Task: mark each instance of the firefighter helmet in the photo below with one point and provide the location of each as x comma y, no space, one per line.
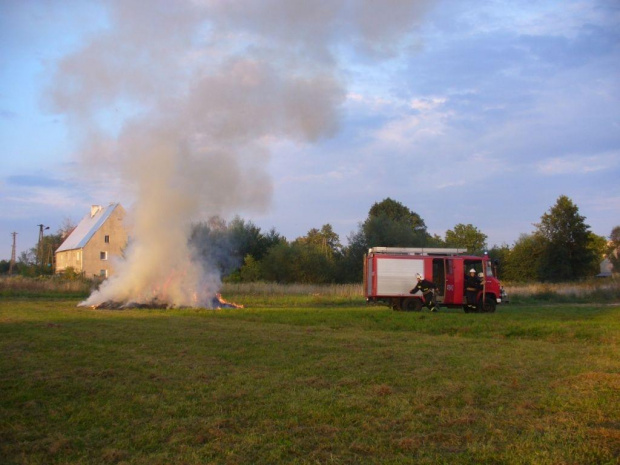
419,276
472,271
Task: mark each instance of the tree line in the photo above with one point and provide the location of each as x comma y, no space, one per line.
562,247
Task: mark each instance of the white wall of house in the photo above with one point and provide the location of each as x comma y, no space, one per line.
98,255
105,246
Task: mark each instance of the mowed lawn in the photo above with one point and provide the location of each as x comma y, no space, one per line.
280,382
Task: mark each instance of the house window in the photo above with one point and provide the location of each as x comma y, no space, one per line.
103,255
103,273
106,239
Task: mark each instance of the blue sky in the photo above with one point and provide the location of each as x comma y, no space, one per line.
480,112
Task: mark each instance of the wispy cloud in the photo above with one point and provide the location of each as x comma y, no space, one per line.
606,203
578,164
427,104
335,175
30,180
23,194
542,18
451,184
428,119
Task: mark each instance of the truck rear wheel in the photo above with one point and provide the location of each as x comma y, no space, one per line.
411,304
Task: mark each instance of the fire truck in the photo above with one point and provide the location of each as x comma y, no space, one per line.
390,275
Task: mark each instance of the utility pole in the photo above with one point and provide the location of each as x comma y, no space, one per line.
12,265
40,257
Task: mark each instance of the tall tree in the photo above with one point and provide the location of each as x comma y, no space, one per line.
500,256
278,264
297,262
351,264
391,224
66,228
212,246
523,262
598,245
226,247
247,238
568,255
250,271
398,213
325,239
467,236
613,249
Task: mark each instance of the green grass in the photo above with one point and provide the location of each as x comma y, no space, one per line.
49,287
306,381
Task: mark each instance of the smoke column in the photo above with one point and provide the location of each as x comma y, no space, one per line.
180,101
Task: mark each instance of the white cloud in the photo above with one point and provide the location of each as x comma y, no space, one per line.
428,121
578,164
427,103
335,175
606,203
451,184
557,18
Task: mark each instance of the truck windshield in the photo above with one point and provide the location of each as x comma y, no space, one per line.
489,269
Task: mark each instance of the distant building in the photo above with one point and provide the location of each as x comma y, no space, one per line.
98,238
606,269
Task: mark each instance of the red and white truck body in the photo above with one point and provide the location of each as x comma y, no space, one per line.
390,273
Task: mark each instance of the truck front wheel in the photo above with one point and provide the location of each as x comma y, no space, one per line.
489,305
412,304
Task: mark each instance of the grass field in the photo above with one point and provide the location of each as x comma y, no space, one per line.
308,381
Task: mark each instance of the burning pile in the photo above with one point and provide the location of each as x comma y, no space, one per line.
138,285
217,302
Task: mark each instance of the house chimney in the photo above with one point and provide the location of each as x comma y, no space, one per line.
94,209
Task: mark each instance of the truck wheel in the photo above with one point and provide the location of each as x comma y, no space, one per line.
396,305
412,304
489,305
466,308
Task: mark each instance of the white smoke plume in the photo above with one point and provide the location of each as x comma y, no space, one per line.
181,100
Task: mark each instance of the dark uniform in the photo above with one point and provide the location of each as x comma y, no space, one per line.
427,288
472,286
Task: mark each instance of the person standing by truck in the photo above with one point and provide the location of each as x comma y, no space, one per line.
427,288
472,286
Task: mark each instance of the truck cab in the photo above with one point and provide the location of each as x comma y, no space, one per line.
449,273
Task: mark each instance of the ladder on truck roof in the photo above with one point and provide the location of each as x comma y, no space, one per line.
416,250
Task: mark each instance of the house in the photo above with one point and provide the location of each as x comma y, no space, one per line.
606,269
98,238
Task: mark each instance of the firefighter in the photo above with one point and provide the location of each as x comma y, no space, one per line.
472,286
427,288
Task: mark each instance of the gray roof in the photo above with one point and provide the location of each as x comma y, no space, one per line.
89,225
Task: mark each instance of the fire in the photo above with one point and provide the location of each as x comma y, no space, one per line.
218,302
226,303
174,287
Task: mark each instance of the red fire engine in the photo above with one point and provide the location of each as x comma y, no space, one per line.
390,273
